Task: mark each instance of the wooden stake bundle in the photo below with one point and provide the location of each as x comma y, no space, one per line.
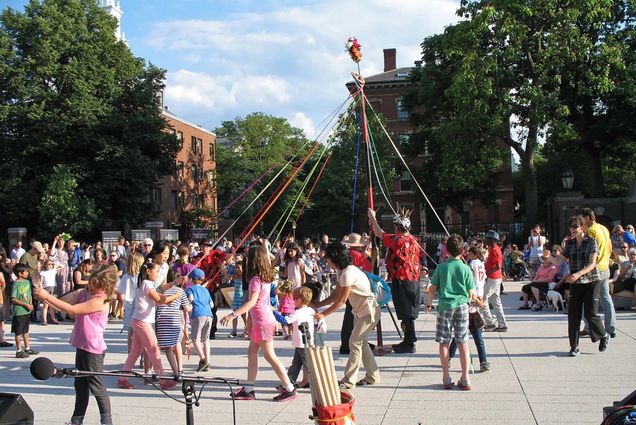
324,376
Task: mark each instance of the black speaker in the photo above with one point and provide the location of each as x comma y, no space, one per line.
630,400
14,410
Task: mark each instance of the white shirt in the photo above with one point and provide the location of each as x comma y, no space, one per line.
127,286
479,278
17,253
144,305
300,316
48,278
361,298
536,242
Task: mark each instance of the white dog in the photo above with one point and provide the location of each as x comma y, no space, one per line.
556,299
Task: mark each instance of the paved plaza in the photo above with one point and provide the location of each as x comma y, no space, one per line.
532,380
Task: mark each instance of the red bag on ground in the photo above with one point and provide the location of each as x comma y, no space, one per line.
342,414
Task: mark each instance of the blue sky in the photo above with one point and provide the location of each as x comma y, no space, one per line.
285,58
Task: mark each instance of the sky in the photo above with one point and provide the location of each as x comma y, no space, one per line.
229,58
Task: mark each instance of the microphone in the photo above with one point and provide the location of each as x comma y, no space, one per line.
43,369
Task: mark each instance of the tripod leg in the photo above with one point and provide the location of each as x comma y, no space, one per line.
188,393
397,328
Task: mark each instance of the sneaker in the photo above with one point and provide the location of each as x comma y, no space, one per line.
232,335
489,328
484,367
448,385
602,346
501,329
574,352
202,365
167,384
123,383
243,395
32,352
5,344
612,335
21,354
206,367
464,385
584,332
286,396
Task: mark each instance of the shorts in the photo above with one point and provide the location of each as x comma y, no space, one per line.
201,328
454,319
20,324
262,332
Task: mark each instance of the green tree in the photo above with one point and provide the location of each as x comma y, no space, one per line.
70,93
62,206
518,72
249,147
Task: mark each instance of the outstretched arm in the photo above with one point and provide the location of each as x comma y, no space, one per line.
374,223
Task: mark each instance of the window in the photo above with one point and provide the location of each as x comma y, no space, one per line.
193,145
403,138
156,196
195,173
199,147
201,201
406,184
180,136
180,201
180,167
213,151
174,200
402,114
212,177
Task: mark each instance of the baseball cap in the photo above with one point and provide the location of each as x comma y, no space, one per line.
197,274
492,235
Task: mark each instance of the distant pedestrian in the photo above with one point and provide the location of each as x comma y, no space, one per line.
22,300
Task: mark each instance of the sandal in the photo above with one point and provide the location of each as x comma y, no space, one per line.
465,386
363,382
536,307
345,385
448,385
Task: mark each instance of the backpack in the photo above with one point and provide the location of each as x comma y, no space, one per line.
380,288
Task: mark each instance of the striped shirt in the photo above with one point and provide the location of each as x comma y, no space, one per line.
169,317
579,258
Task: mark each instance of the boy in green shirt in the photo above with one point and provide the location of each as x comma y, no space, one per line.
454,280
21,300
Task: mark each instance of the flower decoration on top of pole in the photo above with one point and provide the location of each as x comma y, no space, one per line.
353,47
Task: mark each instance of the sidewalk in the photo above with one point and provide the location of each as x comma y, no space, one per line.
532,381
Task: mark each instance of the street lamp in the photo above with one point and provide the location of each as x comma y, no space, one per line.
567,178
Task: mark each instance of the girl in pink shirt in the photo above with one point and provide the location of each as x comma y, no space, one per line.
260,273
90,307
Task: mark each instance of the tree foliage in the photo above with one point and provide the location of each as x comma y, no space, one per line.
247,148
516,72
71,94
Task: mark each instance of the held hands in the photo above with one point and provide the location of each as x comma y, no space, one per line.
572,278
318,317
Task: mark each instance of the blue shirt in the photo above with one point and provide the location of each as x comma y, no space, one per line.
629,239
201,301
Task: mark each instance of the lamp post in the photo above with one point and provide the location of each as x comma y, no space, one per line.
567,179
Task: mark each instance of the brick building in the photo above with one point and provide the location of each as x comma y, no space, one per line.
385,91
194,183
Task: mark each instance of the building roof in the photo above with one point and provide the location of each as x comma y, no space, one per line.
169,114
399,76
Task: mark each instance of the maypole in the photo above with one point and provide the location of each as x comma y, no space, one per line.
353,47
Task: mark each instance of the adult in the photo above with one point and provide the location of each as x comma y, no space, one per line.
122,251
59,256
74,254
117,306
353,286
147,246
628,237
403,267
81,274
604,243
535,243
17,252
357,246
541,283
585,286
31,259
492,287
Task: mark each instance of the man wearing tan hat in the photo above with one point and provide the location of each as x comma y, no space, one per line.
357,245
31,259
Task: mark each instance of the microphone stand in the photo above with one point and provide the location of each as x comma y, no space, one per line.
187,386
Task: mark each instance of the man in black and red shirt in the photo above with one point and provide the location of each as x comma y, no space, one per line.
403,266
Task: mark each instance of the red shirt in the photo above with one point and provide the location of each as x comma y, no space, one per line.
494,261
402,257
360,260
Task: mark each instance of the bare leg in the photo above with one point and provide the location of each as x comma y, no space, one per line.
274,361
443,358
252,361
537,295
464,359
172,360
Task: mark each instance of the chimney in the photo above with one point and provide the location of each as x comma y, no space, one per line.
390,59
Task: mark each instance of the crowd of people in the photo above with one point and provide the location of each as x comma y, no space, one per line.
167,295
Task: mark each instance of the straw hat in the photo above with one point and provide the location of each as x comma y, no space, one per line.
355,240
555,260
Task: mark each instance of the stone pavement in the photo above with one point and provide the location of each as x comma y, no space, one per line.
532,380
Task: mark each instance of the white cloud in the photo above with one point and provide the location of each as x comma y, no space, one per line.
287,61
302,121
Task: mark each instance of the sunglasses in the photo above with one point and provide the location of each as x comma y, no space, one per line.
624,247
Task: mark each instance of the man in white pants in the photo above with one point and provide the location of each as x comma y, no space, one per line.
494,265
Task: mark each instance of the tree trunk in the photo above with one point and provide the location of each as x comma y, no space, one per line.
596,182
530,174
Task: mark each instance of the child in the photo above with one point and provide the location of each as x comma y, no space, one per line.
202,304
22,301
144,338
260,274
3,285
234,274
475,321
286,305
169,326
303,314
294,265
425,282
455,282
91,306
48,277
